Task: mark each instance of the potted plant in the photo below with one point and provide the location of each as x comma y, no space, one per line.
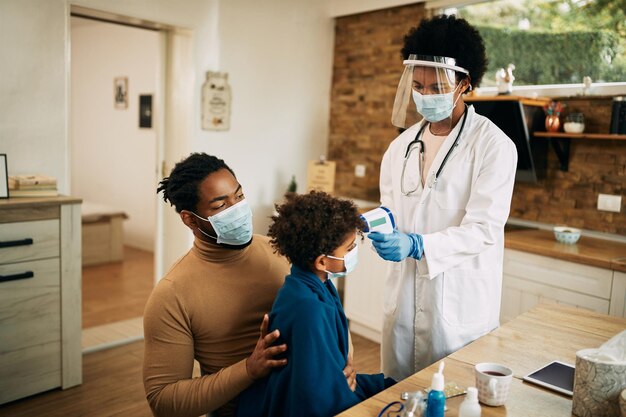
292,188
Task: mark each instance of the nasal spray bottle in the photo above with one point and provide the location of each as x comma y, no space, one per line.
379,219
436,402
469,406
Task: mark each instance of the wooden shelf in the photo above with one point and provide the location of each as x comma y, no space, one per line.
561,142
528,101
592,136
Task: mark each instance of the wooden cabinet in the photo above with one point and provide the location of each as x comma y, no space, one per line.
618,295
528,280
531,279
40,298
363,293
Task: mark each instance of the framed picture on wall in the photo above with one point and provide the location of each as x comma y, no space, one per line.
120,92
4,176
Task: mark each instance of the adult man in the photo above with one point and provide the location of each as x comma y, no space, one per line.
209,305
448,179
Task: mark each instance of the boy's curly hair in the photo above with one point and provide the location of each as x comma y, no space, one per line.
313,224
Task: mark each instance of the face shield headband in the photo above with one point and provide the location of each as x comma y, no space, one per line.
425,75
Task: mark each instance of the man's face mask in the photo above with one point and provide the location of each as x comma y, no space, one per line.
350,260
233,226
434,107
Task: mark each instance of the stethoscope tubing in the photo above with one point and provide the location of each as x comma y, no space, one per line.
417,140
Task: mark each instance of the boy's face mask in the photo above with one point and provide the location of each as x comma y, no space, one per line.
232,226
350,260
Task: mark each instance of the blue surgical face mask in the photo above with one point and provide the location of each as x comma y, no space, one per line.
350,260
434,107
232,226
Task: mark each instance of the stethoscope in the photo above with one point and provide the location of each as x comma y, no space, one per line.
414,144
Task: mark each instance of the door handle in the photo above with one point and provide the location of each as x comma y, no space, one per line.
15,277
19,242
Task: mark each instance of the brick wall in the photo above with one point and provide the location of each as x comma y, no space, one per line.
595,166
366,70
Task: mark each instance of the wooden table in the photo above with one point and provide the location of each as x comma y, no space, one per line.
547,332
102,234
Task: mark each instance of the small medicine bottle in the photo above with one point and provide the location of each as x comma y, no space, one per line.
436,401
470,407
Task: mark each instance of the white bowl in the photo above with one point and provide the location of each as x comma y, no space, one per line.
567,235
573,127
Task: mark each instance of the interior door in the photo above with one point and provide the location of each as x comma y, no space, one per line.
173,238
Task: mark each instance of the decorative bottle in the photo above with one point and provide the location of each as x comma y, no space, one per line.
216,102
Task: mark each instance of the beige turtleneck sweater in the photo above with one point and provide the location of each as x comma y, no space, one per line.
208,307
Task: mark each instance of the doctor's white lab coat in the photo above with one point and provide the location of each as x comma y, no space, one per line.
452,295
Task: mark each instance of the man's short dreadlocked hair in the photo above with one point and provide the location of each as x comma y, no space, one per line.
309,225
180,189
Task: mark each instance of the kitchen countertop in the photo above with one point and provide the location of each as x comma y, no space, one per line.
592,251
588,250
545,333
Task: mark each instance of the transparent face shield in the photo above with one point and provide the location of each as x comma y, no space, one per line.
428,89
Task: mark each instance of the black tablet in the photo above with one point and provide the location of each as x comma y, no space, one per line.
557,376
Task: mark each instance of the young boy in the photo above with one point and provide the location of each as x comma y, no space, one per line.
317,233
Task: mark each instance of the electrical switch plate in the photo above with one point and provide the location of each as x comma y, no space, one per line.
359,170
145,110
608,202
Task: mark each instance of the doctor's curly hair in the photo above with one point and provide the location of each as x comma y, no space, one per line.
451,37
313,224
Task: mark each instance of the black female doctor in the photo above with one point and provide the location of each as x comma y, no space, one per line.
448,179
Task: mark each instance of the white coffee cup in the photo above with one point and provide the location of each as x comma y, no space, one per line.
493,381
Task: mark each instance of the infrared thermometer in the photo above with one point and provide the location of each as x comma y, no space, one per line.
379,220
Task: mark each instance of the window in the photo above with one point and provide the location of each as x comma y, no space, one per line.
552,42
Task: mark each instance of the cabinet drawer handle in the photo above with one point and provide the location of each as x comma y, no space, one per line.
21,242
15,277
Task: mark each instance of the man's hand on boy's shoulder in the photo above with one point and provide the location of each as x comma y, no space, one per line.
261,361
350,374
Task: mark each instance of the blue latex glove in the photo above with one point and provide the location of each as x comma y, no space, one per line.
397,246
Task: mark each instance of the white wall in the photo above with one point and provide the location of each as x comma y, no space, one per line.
34,72
113,161
338,8
278,54
33,87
